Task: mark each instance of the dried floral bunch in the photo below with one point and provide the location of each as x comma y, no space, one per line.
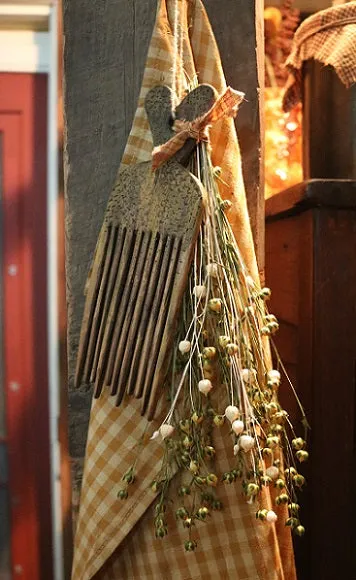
220,375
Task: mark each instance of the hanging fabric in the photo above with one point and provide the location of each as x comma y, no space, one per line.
115,539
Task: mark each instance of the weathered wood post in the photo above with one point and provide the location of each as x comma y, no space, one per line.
105,45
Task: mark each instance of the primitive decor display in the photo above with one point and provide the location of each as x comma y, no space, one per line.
187,440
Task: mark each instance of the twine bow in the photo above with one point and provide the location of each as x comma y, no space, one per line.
225,106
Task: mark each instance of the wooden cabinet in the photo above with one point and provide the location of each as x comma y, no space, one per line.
311,268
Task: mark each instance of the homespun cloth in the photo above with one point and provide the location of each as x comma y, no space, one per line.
328,36
115,539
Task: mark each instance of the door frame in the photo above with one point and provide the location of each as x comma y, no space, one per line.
34,31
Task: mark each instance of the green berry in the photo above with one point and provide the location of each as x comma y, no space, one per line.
219,420
298,443
212,479
190,546
209,352
161,532
129,477
265,293
252,489
298,480
299,530
262,515
293,508
188,522
290,471
224,341
181,513
122,494
203,512
197,418
282,499
209,451
272,442
154,486
302,456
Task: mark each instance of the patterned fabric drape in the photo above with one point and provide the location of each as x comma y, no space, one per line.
115,539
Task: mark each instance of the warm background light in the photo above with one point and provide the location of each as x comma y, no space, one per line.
283,142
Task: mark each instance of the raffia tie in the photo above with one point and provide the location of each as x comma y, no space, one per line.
225,106
191,127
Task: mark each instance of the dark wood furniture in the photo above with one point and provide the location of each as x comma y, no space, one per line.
329,124
311,268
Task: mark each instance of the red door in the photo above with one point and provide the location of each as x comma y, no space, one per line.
25,541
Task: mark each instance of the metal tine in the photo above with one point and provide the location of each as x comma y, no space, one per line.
88,370
130,324
153,376
115,301
119,243
148,346
96,274
122,313
146,312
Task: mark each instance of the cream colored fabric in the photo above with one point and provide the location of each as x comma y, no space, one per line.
115,539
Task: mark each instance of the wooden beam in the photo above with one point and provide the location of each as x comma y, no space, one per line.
238,27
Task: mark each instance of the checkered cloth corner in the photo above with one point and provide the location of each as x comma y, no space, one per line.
115,539
328,36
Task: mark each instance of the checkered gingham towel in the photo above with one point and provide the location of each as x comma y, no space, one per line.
115,539
328,36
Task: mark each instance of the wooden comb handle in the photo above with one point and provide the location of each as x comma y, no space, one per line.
159,109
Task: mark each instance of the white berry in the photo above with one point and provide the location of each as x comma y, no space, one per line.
205,386
232,413
184,346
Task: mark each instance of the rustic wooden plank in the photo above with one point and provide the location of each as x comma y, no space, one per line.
238,27
336,193
318,296
334,395
66,483
329,138
103,60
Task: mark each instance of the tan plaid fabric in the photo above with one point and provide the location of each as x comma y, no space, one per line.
328,36
115,539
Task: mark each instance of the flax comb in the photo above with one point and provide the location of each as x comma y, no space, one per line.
141,265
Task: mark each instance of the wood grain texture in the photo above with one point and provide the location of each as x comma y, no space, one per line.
310,265
66,482
306,5
329,124
144,205
104,54
334,395
332,193
239,29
